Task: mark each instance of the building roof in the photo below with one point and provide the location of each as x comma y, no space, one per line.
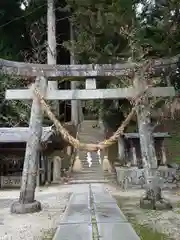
155,135
21,134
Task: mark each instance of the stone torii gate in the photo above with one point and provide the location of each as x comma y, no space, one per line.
89,72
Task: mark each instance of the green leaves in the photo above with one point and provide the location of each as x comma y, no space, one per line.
109,31
12,112
105,32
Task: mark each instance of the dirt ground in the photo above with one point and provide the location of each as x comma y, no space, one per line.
40,225
160,225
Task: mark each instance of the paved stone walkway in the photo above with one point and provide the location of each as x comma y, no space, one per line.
92,213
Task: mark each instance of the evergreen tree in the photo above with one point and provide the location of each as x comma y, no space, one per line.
110,31
104,33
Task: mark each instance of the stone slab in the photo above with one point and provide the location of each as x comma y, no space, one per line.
117,231
108,213
74,232
77,213
97,187
80,198
103,197
78,210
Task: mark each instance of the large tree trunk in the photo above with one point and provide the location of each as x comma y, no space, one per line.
26,201
146,137
145,131
75,104
153,196
51,48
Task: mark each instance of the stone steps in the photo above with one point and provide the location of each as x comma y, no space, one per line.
95,165
89,174
94,176
90,170
86,181
88,178
88,134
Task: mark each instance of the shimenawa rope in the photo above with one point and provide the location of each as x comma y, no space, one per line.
84,146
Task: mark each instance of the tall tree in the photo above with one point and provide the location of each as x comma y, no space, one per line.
98,39
51,45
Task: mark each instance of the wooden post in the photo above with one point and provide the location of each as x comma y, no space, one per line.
145,131
51,48
26,203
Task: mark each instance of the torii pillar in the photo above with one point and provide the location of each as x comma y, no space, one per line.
26,202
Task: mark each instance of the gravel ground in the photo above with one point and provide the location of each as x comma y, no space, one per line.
167,222
34,226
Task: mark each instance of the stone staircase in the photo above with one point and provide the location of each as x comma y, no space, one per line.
90,134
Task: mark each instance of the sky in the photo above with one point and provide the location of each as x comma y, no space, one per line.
23,6
139,8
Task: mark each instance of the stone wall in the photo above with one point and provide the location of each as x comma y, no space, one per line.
10,181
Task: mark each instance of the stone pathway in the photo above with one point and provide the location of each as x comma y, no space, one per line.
92,213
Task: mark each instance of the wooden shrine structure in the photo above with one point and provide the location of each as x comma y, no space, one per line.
12,150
